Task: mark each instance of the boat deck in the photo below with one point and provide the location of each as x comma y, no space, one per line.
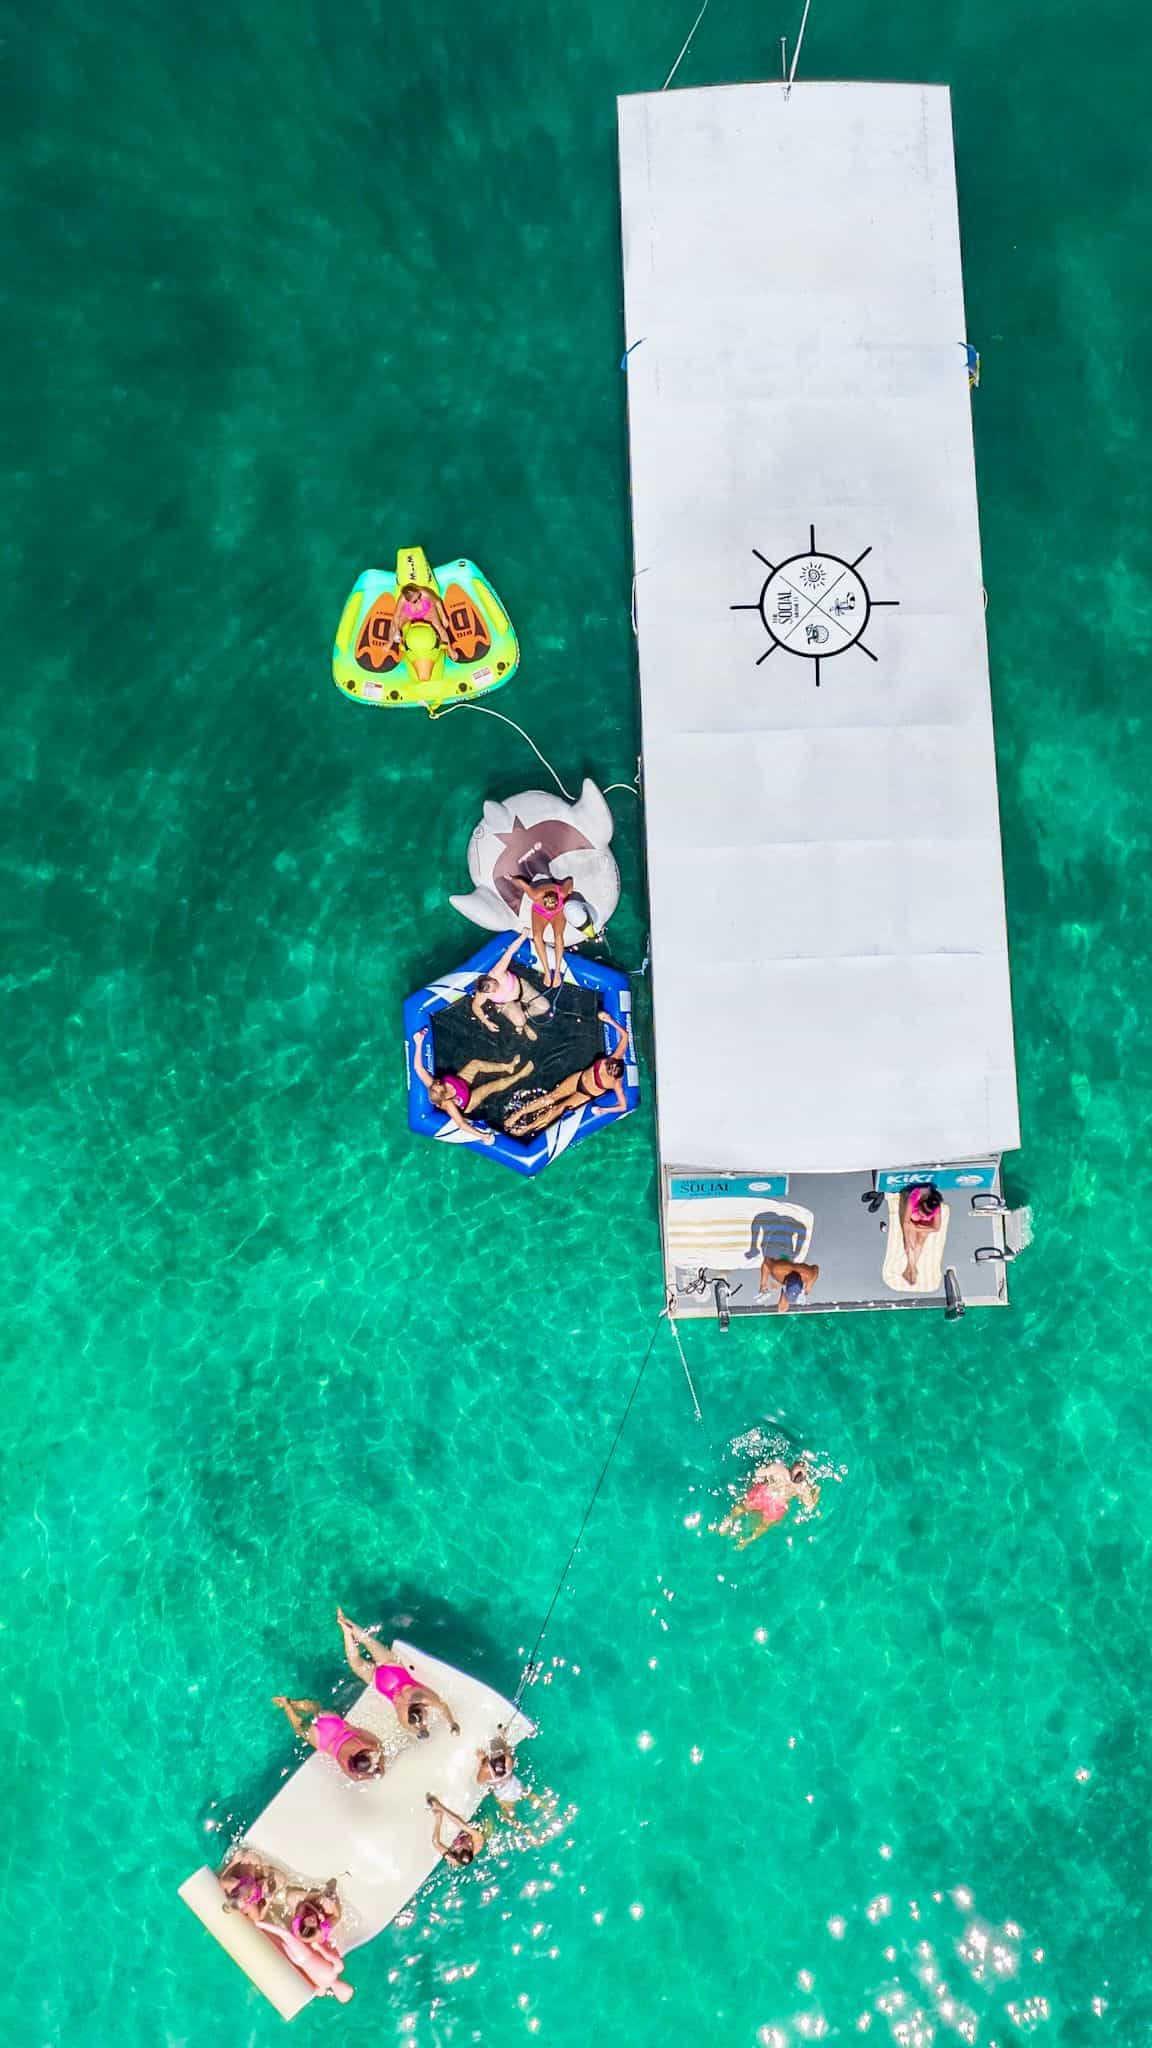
719,1228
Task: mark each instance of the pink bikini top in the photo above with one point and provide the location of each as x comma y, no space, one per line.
460,1089
418,607
506,990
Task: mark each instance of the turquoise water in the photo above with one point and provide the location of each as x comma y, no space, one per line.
274,311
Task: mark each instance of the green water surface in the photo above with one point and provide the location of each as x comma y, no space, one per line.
285,288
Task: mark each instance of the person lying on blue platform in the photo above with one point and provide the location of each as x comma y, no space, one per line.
455,1093
604,1077
515,998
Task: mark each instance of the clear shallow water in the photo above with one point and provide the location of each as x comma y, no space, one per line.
231,1396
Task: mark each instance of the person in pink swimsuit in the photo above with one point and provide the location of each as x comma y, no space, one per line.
769,1495
416,606
921,1216
373,1664
547,898
507,992
358,1753
302,1923
457,1093
249,1884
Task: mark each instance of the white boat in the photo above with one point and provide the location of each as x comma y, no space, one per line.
829,954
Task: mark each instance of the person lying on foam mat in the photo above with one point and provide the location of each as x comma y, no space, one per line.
359,1754
300,1920
372,1664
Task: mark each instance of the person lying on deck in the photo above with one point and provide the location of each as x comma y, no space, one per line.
547,899
373,1664
359,1754
921,1216
455,1093
465,1842
794,1281
515,998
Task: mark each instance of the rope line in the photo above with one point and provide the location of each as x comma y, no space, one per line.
683,1361
684,51
461,705
531,1667
796,51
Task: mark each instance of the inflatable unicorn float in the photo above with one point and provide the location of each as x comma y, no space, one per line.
533,835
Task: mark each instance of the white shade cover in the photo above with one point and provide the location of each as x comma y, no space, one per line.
829,954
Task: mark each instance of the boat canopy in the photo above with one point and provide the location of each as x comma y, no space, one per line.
829,954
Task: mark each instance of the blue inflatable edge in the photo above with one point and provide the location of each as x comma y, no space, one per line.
615,999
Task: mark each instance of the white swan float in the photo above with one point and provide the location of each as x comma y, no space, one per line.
536,834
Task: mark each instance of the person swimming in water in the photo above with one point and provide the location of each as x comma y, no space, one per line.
795,1282
358,1753
547,898
371,1662
453,1094
508,992
464,1845
770,1494
496,1771
604,1077
922,1214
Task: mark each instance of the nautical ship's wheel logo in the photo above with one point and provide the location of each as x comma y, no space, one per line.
815,605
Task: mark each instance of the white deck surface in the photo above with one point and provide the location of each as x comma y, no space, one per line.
829,957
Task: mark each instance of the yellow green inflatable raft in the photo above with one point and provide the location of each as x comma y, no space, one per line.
423,636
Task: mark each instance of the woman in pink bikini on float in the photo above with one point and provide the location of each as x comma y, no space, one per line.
418,607
457,1094
372,1663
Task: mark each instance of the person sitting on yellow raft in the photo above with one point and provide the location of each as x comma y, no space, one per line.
422,636
418,627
